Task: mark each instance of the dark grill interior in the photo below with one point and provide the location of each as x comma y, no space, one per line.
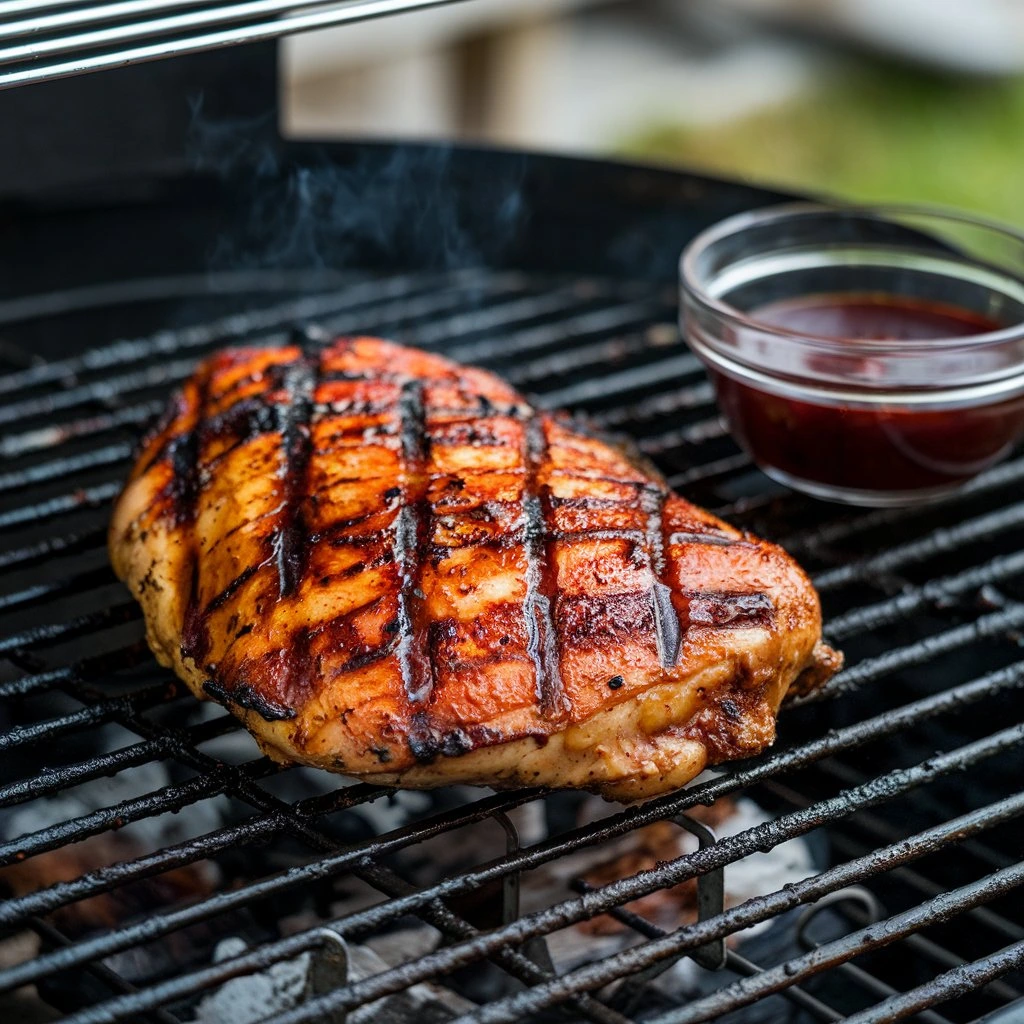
902,777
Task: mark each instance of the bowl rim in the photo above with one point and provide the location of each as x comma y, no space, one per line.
694,288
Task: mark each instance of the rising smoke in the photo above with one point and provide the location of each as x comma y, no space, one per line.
303,205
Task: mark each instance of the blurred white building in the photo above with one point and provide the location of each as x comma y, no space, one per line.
577,74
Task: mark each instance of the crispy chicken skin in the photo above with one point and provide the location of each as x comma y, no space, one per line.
390,566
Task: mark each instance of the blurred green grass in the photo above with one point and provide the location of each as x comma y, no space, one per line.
872,134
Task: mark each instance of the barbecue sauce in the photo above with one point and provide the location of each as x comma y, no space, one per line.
877,448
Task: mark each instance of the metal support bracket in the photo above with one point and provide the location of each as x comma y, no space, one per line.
328,970
537,947
710,896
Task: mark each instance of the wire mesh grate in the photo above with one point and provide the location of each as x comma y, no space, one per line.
153,859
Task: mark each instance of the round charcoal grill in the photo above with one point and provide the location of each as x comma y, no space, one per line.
154,859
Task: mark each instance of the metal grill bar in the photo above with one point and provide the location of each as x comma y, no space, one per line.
68,544
19,736
508,304
255,326
521,966
944,958
850,776
844,528
987,627
885,613
111,455
106,764
125,293
99,666
163,801
449,923
939,542
103,973
652,406
46,591
160,375
15,445
629,379
91,497
113,616
868,822
946,986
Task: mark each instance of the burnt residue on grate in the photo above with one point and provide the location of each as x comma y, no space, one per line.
159,868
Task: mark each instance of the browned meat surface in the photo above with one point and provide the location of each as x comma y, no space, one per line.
390,566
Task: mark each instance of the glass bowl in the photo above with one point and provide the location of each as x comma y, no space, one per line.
867,355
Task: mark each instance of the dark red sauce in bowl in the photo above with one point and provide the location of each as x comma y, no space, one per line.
863,356
873,317
870,448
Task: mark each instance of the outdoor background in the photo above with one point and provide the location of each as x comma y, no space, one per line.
916,100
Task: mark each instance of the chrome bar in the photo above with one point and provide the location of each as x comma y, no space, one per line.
14,7
357,10
94,14
175,24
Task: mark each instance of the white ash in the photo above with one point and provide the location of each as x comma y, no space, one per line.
285,985
253,997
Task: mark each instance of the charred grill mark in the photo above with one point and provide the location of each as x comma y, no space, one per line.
731,609
195,638
363,659
184,487
427,741
158,427
483,409
596,476
541,635
299,381
666,621
245,420
714,539
253,416
338,533
355,376
624,535
237,583
411,525
412,423
247,697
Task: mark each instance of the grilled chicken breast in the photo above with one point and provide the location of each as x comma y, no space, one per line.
391,566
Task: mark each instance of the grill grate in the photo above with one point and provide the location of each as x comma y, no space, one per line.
902,775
